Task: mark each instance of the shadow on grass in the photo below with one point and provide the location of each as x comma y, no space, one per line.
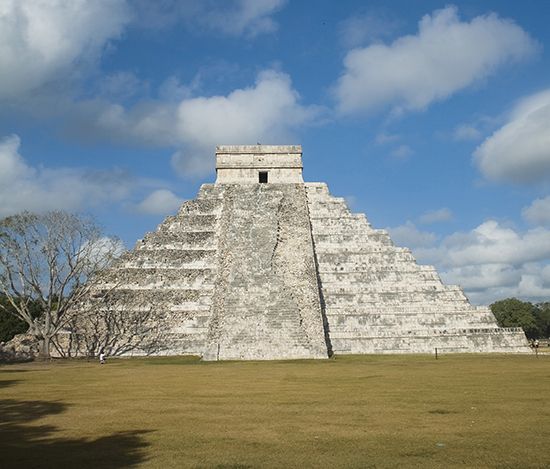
26,444
6,383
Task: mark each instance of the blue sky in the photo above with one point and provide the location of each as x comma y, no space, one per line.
432,118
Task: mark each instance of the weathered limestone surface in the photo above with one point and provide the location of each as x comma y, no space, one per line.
240,164
158,297
267,302
277,270
377,299
231,276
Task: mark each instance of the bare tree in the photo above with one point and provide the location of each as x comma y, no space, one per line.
115,325
51,259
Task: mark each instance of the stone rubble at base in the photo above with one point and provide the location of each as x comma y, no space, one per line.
284,270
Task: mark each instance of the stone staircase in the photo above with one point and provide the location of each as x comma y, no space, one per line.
266,304
377,299
171,274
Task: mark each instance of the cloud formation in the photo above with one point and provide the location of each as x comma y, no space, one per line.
269,111
384,138
402,152
360,29
42,42
486,283
160,202
538,213
24,187
48,43
491,242
248,17
445,56
436,216
408,235
490,262
46,46
230,17
466,133
519,152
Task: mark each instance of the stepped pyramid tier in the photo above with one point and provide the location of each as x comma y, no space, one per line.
377,299
264,266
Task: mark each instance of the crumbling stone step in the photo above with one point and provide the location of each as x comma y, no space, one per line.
172,259
190,223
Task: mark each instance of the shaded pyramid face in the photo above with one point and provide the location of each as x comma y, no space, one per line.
264,266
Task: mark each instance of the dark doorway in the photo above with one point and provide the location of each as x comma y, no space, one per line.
263,177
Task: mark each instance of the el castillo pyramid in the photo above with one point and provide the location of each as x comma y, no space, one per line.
264,266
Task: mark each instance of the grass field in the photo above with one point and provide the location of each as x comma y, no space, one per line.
369,411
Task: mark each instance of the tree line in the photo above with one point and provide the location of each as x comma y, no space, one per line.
533,318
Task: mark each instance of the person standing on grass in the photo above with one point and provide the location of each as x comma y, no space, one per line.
102,358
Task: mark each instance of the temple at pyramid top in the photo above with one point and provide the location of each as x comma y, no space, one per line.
253,164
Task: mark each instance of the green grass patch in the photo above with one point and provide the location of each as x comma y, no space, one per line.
351,411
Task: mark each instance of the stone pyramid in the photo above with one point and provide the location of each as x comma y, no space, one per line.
264,266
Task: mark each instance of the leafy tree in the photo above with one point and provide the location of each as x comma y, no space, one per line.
542,317
50,260
512,312
10,324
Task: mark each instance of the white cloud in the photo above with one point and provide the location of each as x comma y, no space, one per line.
359,29
231,17
409,236
193,163
445,56
46,44
23,187
535,285
269,111
104,249
466,132
538,213
402,152
493,262
160,202
173,90
265,112
487,283
121,86
490,262
43,42
491,242
148,122
519,152
249,17
434,216
476,278
383,138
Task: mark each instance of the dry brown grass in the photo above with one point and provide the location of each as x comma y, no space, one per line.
368,411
